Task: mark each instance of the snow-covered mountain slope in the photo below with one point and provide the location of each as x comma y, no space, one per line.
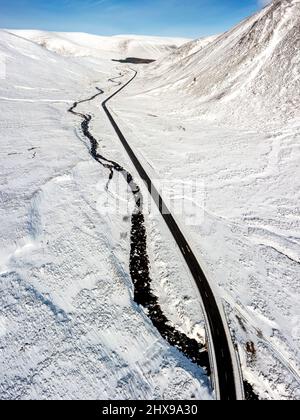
250,73
235,128
176,57
69,327
121,46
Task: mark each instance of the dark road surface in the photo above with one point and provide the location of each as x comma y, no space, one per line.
228,389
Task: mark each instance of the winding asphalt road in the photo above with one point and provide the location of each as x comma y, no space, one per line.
225,367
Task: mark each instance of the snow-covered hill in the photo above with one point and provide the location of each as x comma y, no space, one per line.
121,46
249,74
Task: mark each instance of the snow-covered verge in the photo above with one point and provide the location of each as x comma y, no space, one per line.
114,47
69,327
244,146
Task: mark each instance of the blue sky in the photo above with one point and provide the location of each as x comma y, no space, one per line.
186,18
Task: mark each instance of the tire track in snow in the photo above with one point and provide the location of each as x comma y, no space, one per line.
114,80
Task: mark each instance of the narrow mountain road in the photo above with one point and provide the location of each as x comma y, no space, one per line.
226,370
194,350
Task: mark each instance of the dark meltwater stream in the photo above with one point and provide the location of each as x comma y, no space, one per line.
139,260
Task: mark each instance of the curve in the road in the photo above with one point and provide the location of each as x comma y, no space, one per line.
229,388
